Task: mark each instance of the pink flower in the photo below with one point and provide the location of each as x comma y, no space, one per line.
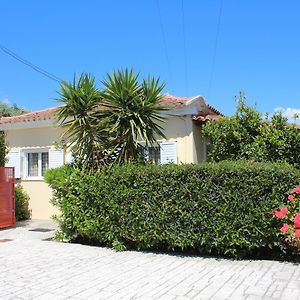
297,232
291,197
297,190
285,228
284,210
278,214
297,221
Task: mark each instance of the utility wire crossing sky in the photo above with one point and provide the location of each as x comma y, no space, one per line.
213,48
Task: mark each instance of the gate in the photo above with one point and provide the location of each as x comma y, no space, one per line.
7,197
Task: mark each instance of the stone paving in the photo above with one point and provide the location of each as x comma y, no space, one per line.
32,268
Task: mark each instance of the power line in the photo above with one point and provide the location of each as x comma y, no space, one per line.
184,50
29,64
215,48
164,42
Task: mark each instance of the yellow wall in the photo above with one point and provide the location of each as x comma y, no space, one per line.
32,137
40,195
198,144
179,129
38,191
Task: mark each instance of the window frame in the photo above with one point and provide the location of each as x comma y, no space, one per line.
154,149
26,161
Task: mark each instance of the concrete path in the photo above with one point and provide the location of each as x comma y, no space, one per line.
31,268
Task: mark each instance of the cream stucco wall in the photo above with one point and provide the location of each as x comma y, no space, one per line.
38,191
180,129
40,194
32,137
198,144
176,128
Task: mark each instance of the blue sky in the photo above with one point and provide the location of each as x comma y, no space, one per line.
256,48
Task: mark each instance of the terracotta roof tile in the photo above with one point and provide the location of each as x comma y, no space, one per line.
173,101
47,114
39,115
205,118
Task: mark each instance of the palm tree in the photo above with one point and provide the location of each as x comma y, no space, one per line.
133,112
84,134
107,126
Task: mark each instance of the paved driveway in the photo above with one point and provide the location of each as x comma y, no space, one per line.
31,268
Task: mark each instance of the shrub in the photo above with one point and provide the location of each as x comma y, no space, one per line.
247,135
220,208
3,149
289,217
22,211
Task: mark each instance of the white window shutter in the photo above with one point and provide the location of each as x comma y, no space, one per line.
56,158
168,152
14,160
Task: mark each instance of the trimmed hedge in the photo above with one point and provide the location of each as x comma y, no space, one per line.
222,208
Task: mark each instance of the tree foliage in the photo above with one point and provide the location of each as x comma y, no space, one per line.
84,132
247,135
105,125
132,112
3,149
7,110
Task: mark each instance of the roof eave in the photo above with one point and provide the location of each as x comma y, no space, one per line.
27,124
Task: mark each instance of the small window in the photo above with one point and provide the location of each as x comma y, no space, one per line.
45,162
37,163
33,164
154,155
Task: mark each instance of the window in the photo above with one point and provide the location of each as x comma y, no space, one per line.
164,153
32,164
45,162
154,155
37,163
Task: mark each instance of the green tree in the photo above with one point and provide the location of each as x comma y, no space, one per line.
106,126
7,110
3,149
84,133
247,135
133,113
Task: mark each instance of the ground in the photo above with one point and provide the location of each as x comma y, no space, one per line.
33,268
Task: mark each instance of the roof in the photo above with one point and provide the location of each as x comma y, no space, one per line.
39,115
205,118
47,114
173,101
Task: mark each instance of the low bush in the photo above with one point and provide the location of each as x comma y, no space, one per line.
22,211
222,208
289,217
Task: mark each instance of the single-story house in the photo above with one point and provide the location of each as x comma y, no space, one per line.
31,139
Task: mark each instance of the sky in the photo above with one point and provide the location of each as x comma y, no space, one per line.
213,48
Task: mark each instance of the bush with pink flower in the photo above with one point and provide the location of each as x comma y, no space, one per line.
289,216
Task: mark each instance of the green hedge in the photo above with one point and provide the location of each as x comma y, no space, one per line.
22,211
220,208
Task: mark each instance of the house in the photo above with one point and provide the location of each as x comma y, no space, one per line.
31,136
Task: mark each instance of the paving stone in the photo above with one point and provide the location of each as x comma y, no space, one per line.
32,268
